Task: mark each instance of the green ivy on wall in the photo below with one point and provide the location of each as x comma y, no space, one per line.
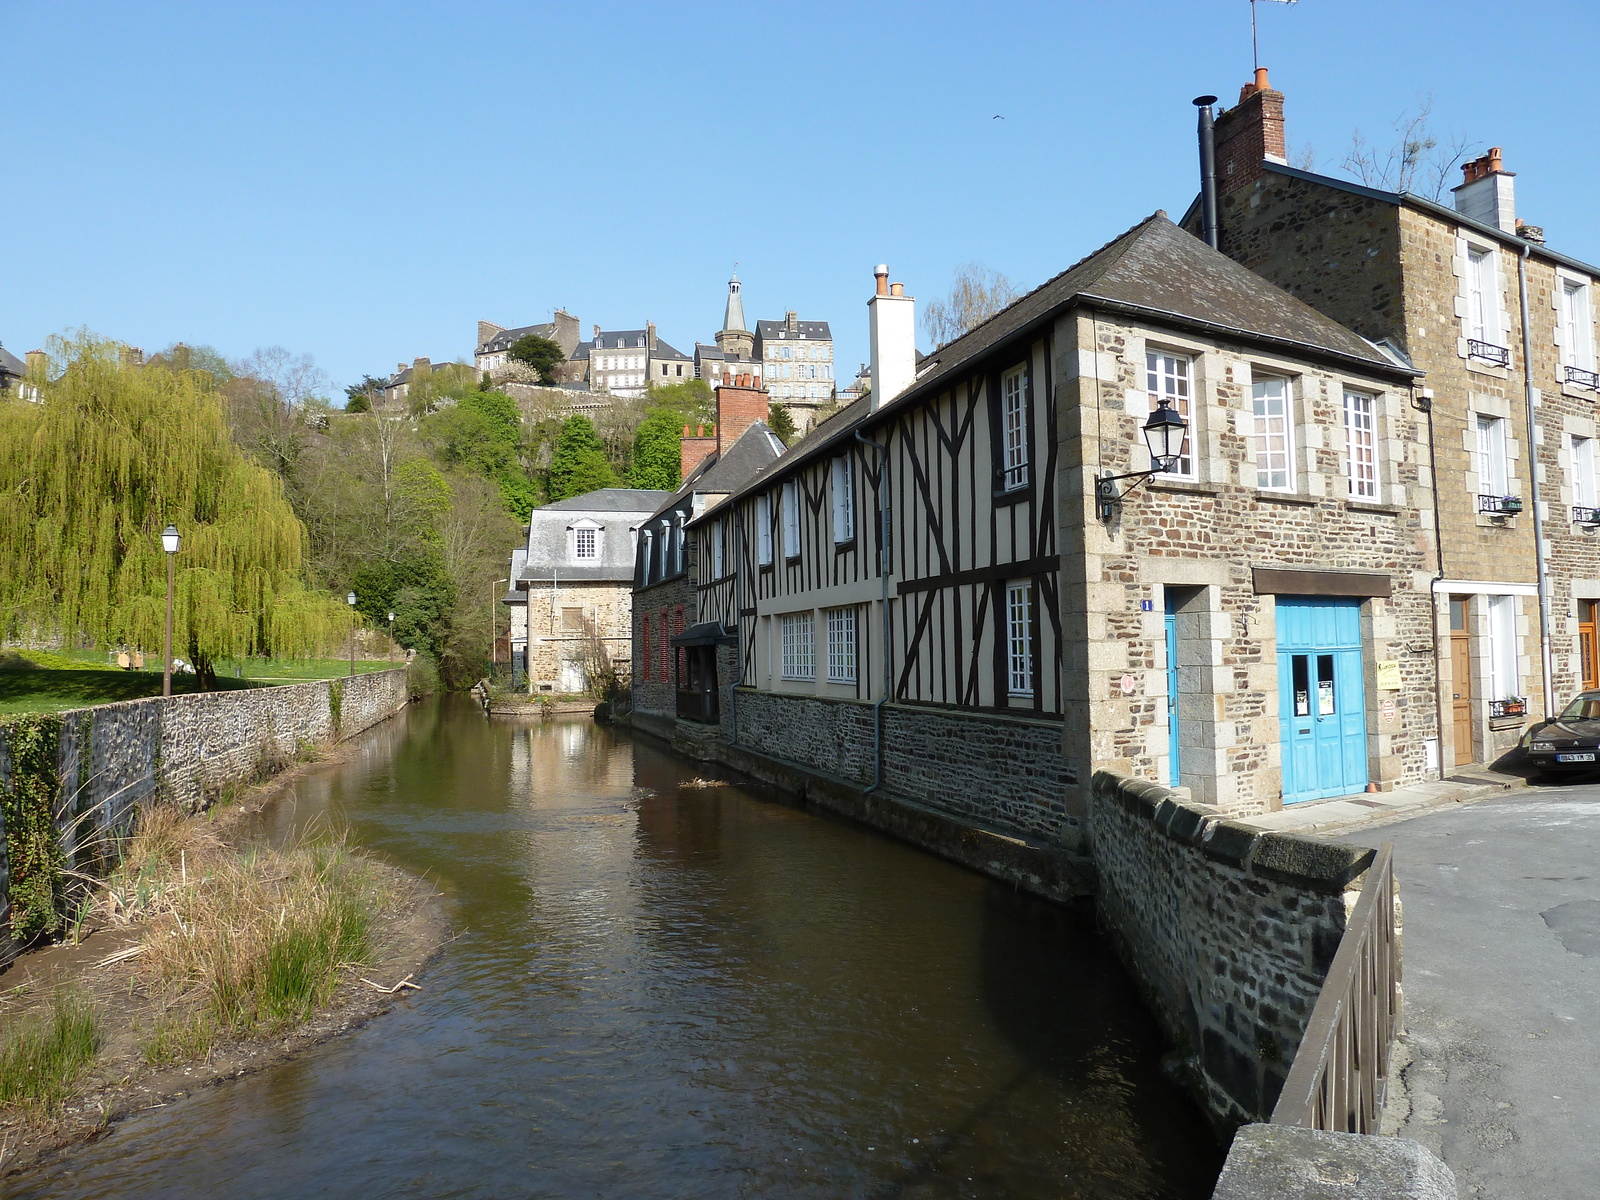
28,802
336,704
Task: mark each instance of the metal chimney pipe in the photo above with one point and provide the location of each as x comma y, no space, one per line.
1208,171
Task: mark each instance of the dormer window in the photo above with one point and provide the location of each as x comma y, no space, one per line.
588,544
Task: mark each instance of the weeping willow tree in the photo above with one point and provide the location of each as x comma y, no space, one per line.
89,477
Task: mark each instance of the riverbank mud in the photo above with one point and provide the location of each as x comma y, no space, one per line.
409,929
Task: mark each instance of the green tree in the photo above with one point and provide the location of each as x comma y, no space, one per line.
692,399
481,432
540,353
365,394
657,455
578,462
781,422
89,478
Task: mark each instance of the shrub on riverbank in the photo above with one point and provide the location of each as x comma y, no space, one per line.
422,674
239,942
42,1054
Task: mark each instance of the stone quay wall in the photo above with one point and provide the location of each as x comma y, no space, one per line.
1006,772
1228,930
187,750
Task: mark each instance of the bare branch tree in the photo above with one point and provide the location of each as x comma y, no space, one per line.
976,295
1415,162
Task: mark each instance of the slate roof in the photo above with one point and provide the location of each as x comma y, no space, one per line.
506,337
609,500
757,448
1154,271
10,364
620,339
777,331
663,350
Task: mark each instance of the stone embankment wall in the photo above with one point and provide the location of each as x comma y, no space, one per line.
1228,930
184,750
1001,771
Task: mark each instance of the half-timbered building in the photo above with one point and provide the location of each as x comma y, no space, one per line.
935,593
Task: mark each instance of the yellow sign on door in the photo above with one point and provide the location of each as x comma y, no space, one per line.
1389,675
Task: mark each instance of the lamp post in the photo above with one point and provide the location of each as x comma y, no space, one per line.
391,635
1165,435
170,541
351,601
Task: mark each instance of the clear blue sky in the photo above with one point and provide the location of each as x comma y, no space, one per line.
364,182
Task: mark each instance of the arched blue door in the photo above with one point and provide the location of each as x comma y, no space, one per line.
1322,697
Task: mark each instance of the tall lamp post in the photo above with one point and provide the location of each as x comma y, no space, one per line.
169,542
351,601
391,635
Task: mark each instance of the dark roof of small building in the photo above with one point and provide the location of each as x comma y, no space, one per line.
609,500
707,353
10,364
580,352
663,350
506,337
808,331
1155,271
756,449
620,339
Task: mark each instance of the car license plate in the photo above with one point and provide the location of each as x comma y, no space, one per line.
1575,757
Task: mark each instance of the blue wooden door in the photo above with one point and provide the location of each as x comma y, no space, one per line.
1322,697
1174,766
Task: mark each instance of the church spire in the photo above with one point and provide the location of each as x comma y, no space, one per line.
733,317
735,341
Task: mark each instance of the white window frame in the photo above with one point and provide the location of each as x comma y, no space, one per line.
581,534
680,544
1272,434
1014,428
1361,443
1583,472
718,562
798,631
1577,323
1019,638
841,645
764,530
648,558
1502,629
791,518
1494,474
1483,295
1169,375
842,490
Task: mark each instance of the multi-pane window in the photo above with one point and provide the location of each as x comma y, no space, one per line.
1270,439
1577,326
798,662
1169,377
1583,480
844,501
588,543
718,564
1492,474
1361,444
1502,647
1019,638
764,530
791,519
1014,428
647,559
680,544
841,645
1483,313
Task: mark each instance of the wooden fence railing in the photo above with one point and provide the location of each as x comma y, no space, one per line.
1339,1074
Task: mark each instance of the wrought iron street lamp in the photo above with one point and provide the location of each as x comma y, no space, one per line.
351,601
170,540
1165,436
391,635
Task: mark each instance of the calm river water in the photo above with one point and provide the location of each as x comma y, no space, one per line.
679,991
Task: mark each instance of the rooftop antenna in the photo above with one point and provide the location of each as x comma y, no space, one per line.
1255,49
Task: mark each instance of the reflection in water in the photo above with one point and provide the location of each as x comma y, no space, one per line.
680,991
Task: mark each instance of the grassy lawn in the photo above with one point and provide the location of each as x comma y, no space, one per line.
51,681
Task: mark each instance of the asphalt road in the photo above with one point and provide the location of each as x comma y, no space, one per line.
1501,913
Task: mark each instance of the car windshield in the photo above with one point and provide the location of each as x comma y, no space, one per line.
1585,708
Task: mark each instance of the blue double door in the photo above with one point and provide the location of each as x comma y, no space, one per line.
1322,697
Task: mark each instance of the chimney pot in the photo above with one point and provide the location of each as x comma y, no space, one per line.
897,289
1261,80
881,273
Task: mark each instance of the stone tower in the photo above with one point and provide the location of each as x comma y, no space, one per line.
733,339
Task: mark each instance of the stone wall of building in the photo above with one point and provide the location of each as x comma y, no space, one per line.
1006,772
1228,930
557,621
655,690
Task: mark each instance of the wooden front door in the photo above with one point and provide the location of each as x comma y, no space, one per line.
1589,644
1461,679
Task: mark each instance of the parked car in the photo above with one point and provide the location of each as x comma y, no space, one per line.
1569,743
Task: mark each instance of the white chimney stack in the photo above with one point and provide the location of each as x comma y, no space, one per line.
892,317
1487,193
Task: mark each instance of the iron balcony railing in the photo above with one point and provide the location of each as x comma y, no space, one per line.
1339,1074
1584,515
1488,352
1500,506
1584,379
1512,707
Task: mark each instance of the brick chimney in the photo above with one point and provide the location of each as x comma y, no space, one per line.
740,404
420,364
566,331
695,444
1486,193
791,322
37,364
1248,134
487,329
650,336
